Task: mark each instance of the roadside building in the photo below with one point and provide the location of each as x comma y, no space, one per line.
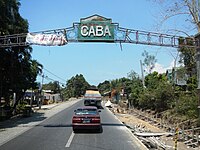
50,98
177,76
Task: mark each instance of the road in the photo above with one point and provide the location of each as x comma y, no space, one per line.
55,133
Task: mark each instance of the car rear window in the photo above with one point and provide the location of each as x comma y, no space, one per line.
86,111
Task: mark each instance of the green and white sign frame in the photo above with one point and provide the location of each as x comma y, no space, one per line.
94,29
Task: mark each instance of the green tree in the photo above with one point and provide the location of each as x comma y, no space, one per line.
149,61
121,83
158,98
147,99
18,72
76,86
136,89
152,80
189,10
186,106
104,87
187,57
53,86
164,97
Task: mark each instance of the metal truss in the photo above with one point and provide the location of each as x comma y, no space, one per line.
152,38
122,35
13,40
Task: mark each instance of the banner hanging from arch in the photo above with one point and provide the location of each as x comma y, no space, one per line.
46,39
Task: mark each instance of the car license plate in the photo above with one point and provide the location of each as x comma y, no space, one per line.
86,120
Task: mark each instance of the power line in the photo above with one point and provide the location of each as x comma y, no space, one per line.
54,74
46,77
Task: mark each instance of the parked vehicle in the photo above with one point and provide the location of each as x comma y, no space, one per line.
92,97
86,117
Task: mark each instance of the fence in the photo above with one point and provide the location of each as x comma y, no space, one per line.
190,137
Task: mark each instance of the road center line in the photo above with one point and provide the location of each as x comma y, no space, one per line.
70,140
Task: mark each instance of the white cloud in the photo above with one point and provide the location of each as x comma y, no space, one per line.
159,68
162,69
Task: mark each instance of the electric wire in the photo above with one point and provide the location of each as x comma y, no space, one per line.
48,78
54,75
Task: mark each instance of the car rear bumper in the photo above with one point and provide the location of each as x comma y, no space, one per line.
91,102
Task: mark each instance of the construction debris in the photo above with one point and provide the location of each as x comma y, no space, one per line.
149,133
108,103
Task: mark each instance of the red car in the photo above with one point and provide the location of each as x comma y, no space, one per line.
86,117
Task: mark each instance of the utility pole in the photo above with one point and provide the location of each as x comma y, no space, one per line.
142,71
31,101
197,37
59,90
40,94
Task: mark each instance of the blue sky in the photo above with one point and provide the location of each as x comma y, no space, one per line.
96,61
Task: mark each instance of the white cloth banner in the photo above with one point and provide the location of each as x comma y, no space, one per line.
46,39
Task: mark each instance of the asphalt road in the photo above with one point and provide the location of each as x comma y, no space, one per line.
56,133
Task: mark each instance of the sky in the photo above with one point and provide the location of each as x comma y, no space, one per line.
97,62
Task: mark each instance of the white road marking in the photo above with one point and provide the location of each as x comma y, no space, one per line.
70,140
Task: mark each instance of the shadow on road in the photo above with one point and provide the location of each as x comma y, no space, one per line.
24,121
70,125
55,125
89,131
82,131
112,124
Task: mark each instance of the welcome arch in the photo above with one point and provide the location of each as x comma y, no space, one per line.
96,28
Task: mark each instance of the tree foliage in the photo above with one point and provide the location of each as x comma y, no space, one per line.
187,57
18,71
136,89
153,80
53,86
189,10
149,61
158,94
187,105
76,86
104,87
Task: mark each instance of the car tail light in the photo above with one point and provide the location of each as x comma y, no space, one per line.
96,120
76,120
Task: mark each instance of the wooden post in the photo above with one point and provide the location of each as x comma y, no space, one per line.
183,132
176,138
160,122
197,136
192,133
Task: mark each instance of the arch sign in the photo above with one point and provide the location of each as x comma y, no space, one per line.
91,29
96,28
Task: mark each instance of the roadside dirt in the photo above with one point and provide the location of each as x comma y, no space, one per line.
133,121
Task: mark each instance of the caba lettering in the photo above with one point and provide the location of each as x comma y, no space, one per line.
96,31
